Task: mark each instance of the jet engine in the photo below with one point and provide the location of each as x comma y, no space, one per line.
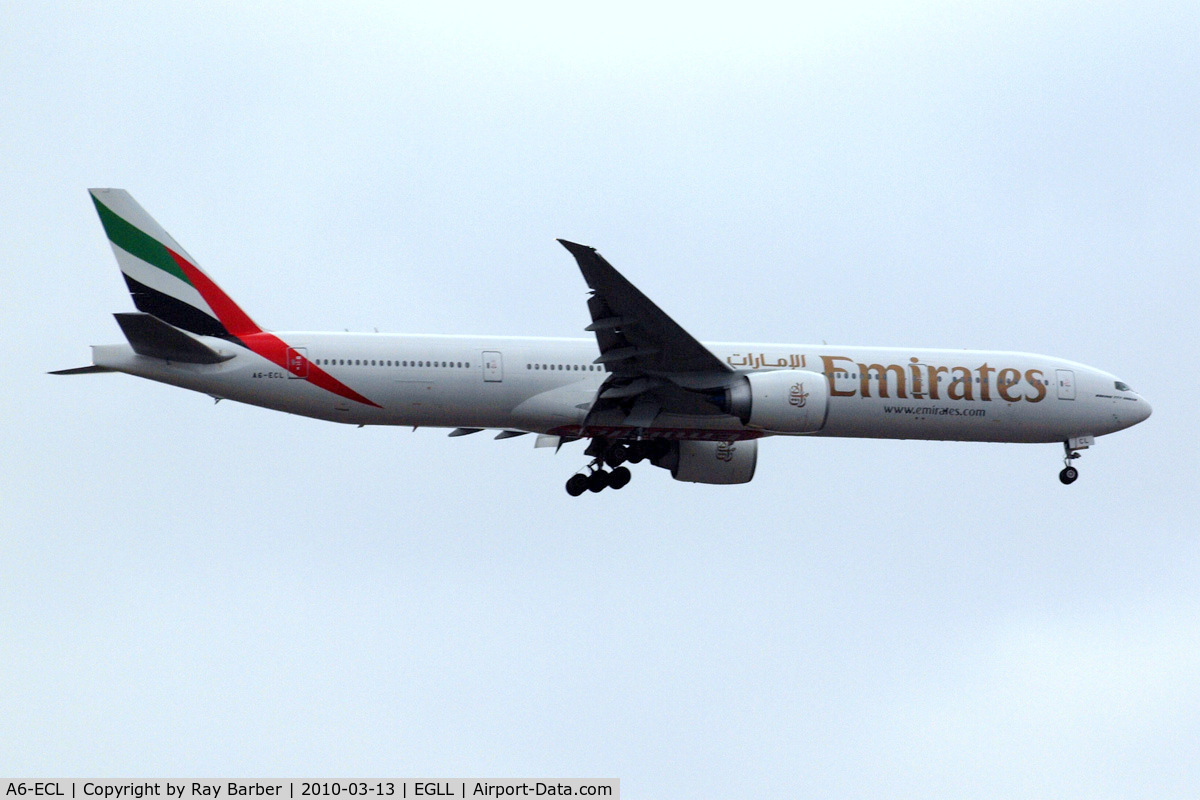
711,462
780,401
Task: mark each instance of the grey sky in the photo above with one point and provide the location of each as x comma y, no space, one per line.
192,589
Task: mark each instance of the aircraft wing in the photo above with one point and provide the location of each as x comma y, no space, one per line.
654,364
634,334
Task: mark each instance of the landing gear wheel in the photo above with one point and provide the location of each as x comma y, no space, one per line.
597,481
1068,475
577,484
619,477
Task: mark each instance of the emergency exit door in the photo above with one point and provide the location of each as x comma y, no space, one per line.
493,366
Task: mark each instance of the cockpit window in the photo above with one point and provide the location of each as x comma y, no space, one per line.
1122,387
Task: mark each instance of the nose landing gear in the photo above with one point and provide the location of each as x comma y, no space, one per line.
1069,474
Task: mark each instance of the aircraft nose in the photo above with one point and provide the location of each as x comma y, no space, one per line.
1142,411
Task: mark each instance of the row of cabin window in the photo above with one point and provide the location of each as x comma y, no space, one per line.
363,362
567,367
871,376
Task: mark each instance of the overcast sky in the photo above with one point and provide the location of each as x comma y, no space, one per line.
196,589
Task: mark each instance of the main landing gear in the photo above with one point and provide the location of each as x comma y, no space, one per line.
613,455
597,480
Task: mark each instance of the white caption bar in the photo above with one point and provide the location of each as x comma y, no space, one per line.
374,789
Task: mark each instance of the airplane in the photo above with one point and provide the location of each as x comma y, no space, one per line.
642,389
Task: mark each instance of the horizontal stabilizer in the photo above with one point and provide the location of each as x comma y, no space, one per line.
81,370
150,336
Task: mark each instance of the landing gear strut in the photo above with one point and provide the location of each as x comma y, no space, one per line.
1069,474
597,479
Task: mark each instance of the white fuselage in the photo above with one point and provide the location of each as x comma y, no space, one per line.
546,385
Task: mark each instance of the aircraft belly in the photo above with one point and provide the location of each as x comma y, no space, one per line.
555,408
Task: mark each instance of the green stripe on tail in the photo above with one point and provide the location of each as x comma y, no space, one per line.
137,243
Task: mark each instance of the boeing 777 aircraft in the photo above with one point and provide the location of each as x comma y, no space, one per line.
642,390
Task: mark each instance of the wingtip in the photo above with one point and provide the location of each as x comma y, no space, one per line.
575,247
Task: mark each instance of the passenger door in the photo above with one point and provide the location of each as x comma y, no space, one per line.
1066,384
297,362
493,366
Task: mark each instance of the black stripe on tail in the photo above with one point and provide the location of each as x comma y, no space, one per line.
174,311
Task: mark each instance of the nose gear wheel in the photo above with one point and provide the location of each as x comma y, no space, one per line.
1069,474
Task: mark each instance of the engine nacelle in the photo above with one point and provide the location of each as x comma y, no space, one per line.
711,462
781,401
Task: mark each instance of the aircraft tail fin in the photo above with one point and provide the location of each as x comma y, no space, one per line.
163,279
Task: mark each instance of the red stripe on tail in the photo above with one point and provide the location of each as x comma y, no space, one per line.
267,345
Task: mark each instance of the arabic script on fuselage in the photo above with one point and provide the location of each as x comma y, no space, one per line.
914,380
